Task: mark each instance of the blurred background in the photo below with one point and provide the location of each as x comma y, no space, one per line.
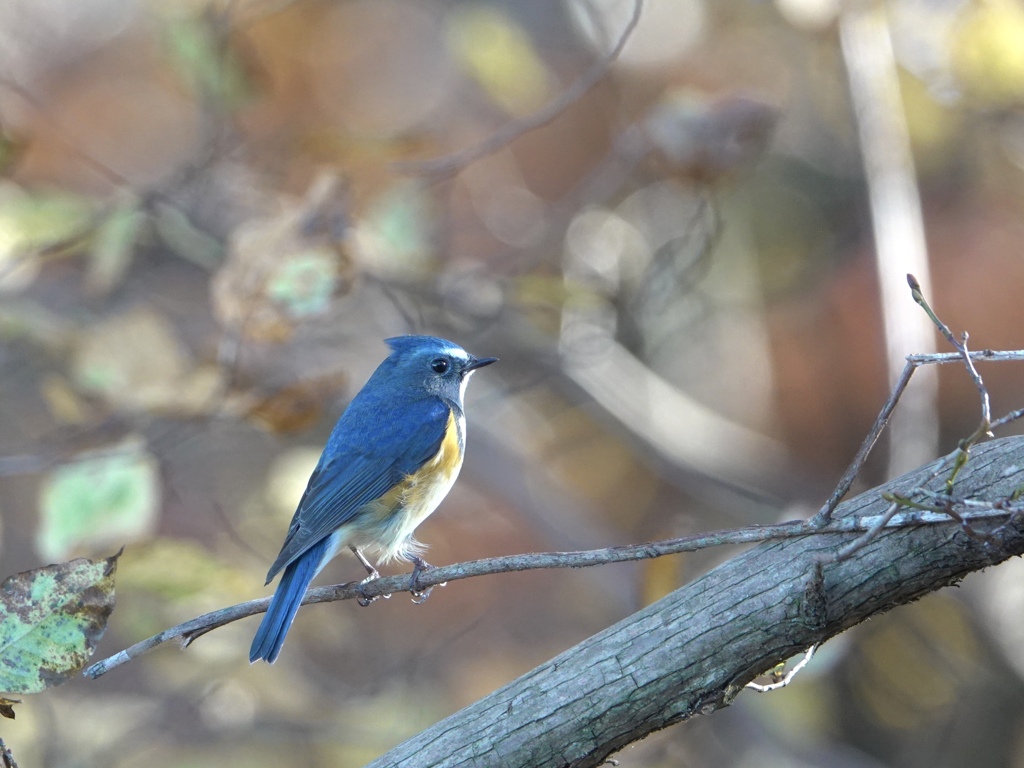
211,214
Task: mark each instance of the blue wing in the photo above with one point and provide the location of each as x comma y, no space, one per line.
373,447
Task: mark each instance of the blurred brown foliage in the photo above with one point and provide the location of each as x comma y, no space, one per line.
210,215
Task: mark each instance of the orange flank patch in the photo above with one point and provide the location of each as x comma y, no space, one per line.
420,493
425,489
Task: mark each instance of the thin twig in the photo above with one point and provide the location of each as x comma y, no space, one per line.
944,505
984,355
824,516
449,165
985,426
190,630
1011,416
961,348
869,535
963,449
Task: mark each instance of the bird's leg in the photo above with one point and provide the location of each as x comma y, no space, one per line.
372,573
420,566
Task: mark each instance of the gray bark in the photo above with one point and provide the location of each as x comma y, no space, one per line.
693,651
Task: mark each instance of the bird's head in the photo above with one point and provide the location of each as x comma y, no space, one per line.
440,367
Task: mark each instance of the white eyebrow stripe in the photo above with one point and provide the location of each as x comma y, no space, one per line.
456,352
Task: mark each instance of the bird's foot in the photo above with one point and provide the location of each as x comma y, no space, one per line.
372,573
364,599
420,596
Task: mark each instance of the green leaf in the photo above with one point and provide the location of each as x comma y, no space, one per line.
50,621
101,499
201,52
185,239
396,235
33,222
305,282
112,247
41,219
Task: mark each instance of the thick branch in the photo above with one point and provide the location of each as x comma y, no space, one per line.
693,651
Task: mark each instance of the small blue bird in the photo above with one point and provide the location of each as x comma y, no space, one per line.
392,457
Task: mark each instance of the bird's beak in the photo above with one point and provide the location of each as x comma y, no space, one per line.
478,362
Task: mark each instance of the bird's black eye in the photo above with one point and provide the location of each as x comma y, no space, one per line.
440,365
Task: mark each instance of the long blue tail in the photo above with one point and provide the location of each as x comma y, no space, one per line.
285,603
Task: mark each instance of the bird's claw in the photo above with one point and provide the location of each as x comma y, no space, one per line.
372,573
419,596
363,599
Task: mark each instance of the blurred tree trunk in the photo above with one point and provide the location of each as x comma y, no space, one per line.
693,651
